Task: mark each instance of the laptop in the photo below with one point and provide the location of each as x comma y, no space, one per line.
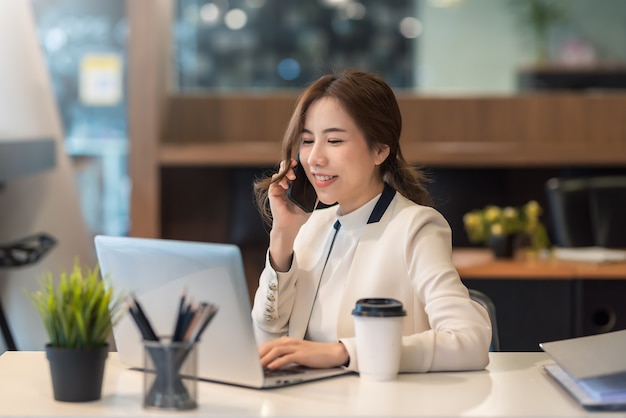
158,271
591,368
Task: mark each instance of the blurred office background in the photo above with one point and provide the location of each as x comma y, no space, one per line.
429,46
84,44
432,47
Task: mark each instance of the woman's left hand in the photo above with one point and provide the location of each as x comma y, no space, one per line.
285,350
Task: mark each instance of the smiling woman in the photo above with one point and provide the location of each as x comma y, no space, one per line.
380,239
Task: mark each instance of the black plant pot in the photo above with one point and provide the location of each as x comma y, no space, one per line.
77,374
503,246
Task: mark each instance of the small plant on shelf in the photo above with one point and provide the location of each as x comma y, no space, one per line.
483,225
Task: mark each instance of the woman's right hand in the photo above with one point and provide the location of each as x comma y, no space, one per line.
287,218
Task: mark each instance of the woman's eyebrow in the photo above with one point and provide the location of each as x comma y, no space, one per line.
326,131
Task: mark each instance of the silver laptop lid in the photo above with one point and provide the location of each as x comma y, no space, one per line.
158,271
590,356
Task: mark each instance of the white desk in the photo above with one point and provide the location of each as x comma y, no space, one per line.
513,385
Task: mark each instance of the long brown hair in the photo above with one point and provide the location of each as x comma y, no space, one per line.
372,105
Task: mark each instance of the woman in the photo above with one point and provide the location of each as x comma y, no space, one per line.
381,239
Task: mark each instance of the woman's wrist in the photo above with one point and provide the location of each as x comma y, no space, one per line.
344,356
280,265
281,250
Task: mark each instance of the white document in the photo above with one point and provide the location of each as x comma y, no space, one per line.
590,254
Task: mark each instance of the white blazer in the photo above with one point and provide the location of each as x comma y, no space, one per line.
404,253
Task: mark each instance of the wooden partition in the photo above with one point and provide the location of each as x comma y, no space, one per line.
148,82
520,130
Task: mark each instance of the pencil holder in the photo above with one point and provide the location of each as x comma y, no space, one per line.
170,376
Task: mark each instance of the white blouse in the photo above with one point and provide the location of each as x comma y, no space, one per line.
323,322
403,251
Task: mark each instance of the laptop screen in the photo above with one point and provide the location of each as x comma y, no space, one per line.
158,272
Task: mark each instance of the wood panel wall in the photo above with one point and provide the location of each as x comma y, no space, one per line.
226,118
529,129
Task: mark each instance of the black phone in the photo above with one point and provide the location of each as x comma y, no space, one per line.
301,191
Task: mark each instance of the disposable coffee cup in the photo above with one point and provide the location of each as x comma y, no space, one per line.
378,332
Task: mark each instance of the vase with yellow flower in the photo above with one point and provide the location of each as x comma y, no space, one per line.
504,229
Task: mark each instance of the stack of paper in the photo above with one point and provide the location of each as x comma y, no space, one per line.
590,254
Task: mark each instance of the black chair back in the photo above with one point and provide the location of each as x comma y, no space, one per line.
608,211
588,212
568,208
486,302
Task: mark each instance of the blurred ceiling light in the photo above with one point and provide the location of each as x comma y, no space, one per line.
410,27
235,19
55,39
209,13
355,10
335,3
289,69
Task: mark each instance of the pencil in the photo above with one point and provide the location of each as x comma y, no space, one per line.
176,336
207,314
133,313
143,319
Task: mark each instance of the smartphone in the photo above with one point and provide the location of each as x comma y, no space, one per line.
301,191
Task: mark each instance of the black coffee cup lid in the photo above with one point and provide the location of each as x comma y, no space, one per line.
378,307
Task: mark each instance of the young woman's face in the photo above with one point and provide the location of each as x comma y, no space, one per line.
336,157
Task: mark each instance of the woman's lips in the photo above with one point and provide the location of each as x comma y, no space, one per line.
322,180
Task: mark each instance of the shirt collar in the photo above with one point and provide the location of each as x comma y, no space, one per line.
371,212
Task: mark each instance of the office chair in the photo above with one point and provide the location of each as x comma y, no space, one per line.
588,211
486,302
568,208
607,204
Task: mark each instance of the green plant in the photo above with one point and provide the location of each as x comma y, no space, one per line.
539,16
78,312
482,224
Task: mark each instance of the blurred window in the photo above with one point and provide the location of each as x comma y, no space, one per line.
84,44
263,44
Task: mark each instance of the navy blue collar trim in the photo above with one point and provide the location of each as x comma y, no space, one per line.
383,203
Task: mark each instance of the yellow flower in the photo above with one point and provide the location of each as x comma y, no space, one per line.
533,210
497,229
471,219
482,224
492,213
509,212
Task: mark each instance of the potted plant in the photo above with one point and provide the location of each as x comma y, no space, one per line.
539,16
78,311
500,228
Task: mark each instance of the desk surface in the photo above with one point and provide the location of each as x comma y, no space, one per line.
514,384
478,263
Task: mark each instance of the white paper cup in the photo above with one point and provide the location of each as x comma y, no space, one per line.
378,331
